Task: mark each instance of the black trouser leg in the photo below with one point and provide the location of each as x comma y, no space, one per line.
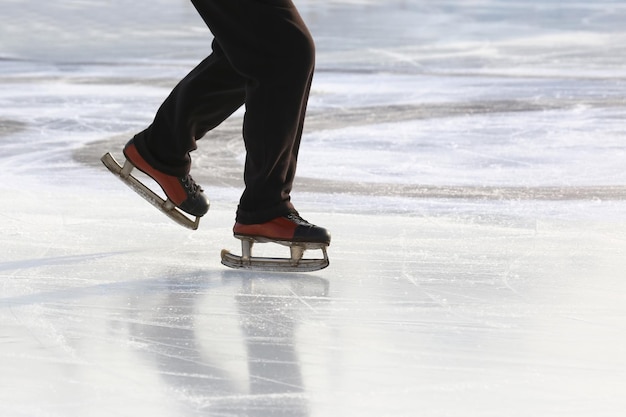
201,101
266,51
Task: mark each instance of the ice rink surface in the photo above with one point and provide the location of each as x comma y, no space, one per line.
468,157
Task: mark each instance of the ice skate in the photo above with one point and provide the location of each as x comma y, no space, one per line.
292,231
183,194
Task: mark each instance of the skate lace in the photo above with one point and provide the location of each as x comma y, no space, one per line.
295,217
190,185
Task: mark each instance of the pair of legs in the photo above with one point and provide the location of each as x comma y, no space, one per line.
263,57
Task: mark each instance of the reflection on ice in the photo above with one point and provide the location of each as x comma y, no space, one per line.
232,347
219,345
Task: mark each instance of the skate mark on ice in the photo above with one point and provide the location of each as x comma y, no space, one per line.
220,165
9,127
60,260
157,285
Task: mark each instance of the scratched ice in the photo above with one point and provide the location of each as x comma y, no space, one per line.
468,157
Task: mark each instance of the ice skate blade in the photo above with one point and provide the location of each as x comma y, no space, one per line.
166,206
272,264
293,264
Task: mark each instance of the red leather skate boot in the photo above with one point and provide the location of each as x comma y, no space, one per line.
182,191
289,228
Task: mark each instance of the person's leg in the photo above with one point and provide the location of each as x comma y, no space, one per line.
265,46
266,42
201,101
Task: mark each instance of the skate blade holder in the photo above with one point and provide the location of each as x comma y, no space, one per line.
295,263
166,206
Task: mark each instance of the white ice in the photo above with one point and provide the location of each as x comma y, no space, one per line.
467,156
